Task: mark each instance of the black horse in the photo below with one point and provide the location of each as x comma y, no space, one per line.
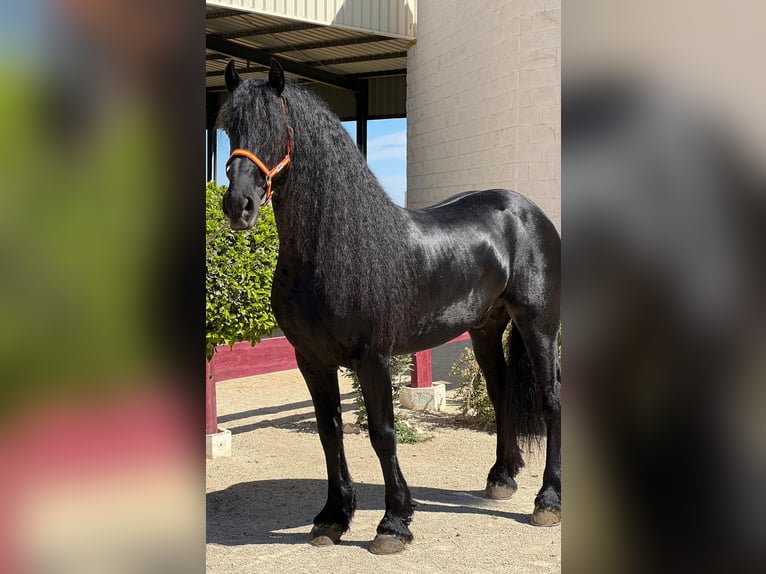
359,279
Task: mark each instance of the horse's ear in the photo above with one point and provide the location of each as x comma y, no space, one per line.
277,76
232,77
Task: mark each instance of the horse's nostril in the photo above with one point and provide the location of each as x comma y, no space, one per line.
249,206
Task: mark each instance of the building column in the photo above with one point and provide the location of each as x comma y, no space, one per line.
212,152
362,113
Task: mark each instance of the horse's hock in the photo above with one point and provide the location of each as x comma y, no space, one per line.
423,398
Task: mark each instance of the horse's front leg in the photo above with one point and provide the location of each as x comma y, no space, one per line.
374,375
334,519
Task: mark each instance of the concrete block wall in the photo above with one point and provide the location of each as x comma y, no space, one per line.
484,100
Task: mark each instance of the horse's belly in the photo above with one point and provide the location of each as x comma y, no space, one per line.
444,324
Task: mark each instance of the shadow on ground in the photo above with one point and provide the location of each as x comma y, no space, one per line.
297,422
304,422
254,512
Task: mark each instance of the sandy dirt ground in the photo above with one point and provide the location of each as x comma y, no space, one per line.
261,501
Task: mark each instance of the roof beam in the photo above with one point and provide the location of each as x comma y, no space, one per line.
212,15
263,58
246,70
379,74
353,59
252,32
330,43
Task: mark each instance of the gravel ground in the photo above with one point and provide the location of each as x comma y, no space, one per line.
260,502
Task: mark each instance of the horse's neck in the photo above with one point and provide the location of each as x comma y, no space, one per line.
313,211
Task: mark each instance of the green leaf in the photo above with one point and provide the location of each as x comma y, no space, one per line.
240,267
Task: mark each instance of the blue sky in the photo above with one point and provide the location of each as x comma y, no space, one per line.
386,154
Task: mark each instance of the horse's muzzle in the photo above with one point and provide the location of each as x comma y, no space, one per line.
240,210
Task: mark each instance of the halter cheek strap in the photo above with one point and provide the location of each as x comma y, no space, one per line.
269,173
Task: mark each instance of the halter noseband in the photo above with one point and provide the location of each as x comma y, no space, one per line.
269,173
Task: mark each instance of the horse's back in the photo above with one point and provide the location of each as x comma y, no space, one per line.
503,206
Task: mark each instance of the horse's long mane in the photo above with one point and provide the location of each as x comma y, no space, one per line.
331,211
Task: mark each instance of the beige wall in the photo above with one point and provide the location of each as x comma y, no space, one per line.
483,100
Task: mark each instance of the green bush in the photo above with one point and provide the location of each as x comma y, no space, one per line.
408,434
476,406
239,271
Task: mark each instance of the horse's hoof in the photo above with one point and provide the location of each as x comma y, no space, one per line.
386,544
546,517
499,491
325,535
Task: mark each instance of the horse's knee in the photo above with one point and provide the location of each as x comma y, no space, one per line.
383,439
330,431
329,425
382,434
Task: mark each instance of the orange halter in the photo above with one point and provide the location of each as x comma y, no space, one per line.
269,173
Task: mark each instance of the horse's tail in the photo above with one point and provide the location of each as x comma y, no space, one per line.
526,394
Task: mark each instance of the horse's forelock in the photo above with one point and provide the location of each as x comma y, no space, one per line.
249,115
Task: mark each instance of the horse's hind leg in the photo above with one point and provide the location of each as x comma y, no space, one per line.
374,375
334,519
540,338
488,350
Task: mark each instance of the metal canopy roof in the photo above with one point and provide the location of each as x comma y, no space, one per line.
329,58
352,54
